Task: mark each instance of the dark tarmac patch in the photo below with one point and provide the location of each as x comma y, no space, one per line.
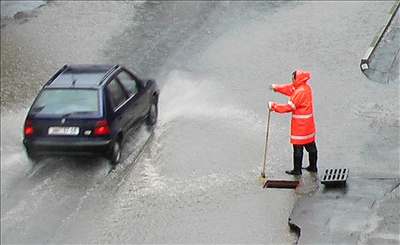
354,214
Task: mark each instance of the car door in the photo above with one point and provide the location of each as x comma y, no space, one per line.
136,96
118,98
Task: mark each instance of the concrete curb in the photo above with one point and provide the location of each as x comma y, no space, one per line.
364,65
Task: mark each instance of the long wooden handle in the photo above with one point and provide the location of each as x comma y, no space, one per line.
266,143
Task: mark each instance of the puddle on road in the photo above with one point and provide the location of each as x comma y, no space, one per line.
150,174
64,177
191,111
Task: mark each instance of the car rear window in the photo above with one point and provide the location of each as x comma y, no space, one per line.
67,101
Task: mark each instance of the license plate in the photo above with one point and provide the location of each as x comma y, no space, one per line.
63,131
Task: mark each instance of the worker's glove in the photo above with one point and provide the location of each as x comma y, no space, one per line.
271,105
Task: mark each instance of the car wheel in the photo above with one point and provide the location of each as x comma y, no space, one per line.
116,152
153,114
32,157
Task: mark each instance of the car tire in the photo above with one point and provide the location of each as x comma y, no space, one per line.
33,158
152,115
115,153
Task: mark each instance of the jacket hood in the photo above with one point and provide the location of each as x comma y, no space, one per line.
301,77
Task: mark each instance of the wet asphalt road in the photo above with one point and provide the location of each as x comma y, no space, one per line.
196,179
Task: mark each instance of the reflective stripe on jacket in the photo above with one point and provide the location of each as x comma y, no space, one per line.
301,105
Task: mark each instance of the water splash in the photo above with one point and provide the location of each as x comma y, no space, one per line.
185,96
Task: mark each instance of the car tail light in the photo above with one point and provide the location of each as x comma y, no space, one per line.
28,128
102,128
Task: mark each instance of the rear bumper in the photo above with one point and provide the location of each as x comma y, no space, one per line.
67,147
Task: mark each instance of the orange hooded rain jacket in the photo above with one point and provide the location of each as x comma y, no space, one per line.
300,104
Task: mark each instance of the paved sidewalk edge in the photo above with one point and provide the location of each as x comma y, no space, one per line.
364,65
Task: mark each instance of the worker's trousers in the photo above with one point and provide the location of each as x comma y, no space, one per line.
311,148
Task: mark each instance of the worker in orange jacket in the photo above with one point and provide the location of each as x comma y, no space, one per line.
300,104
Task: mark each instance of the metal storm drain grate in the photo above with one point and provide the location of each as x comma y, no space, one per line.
335,176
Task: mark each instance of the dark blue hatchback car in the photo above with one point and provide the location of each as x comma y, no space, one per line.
89,109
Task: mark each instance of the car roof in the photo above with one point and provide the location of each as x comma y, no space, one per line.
81,76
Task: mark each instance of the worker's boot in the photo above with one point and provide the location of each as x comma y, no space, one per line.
311,169
297,167
293,172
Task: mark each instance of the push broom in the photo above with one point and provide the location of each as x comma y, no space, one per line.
284,184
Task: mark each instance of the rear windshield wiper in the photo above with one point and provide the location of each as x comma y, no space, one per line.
37,109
